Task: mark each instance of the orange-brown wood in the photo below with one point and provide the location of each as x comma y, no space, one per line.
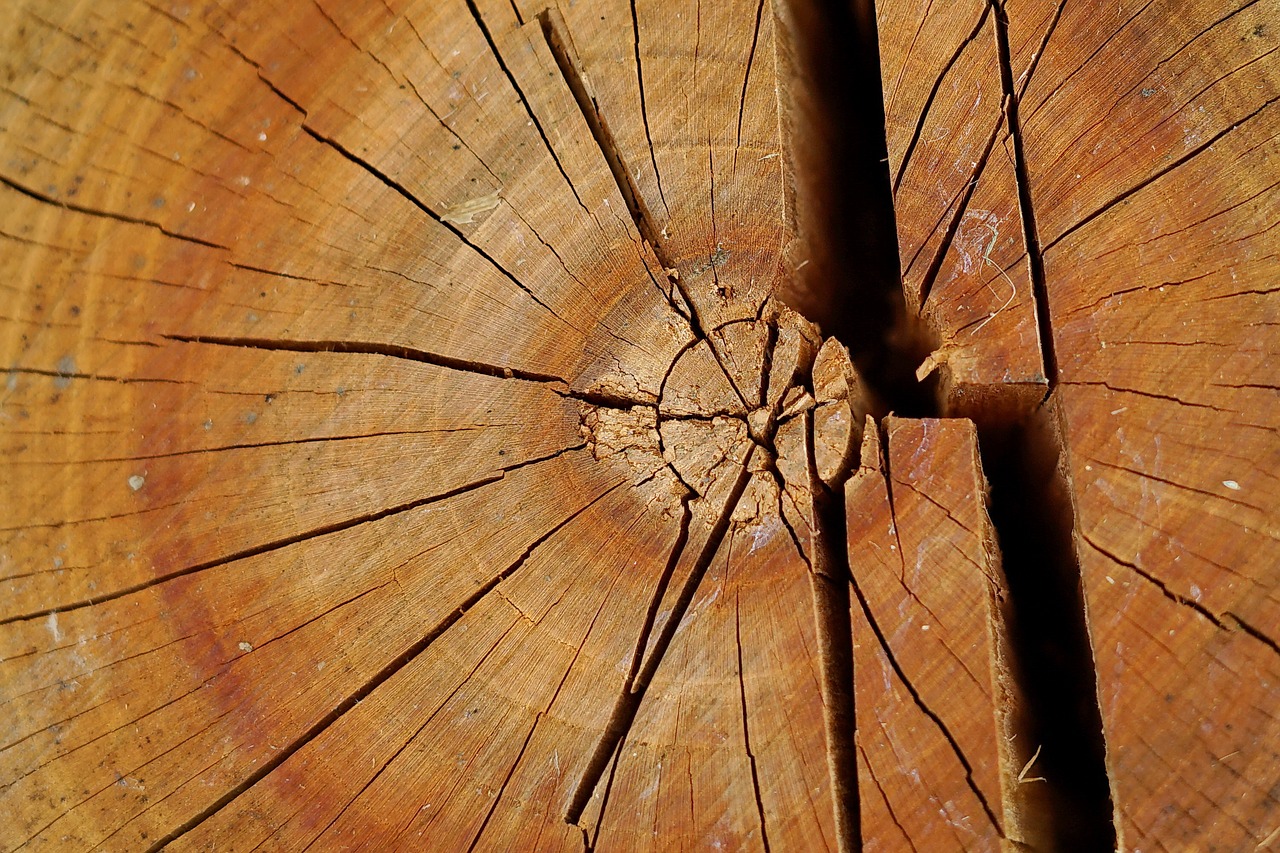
1156,208
406,440
965,268
939,762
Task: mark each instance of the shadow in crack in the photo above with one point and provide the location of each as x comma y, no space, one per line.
848,280
1030,506
847,277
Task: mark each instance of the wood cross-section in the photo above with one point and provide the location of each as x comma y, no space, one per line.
454,424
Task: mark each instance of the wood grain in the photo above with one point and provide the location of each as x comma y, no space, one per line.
939,760
1160,295
965,266
410,439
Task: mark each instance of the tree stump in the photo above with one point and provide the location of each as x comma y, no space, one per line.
789,425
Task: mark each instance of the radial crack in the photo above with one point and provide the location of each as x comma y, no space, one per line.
1030,232
925,709
355,698
372,348
277,544
746,729
106,214
633,689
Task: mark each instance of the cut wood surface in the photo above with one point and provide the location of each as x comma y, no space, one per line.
1157,213
965,267
939,763
411,439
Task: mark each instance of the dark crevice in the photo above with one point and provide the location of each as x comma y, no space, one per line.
830,582
605,400
884,798
848,192
644,109
1223,622
1052,659
854,293
93,377
604,798
664,581
1025,79
559,43
766,367
355,698
785,497
1030,233
1032,511
497,798
1176,598
1253,631
290,276
277,544
568,670
700,328
391,581
406,743
1064,80
257,445
850,283
561,47
746,77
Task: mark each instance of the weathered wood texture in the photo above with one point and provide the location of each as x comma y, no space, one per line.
405,443
938,760
965,267
1150,139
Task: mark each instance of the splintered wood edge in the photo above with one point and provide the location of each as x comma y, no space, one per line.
877,496
968,275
